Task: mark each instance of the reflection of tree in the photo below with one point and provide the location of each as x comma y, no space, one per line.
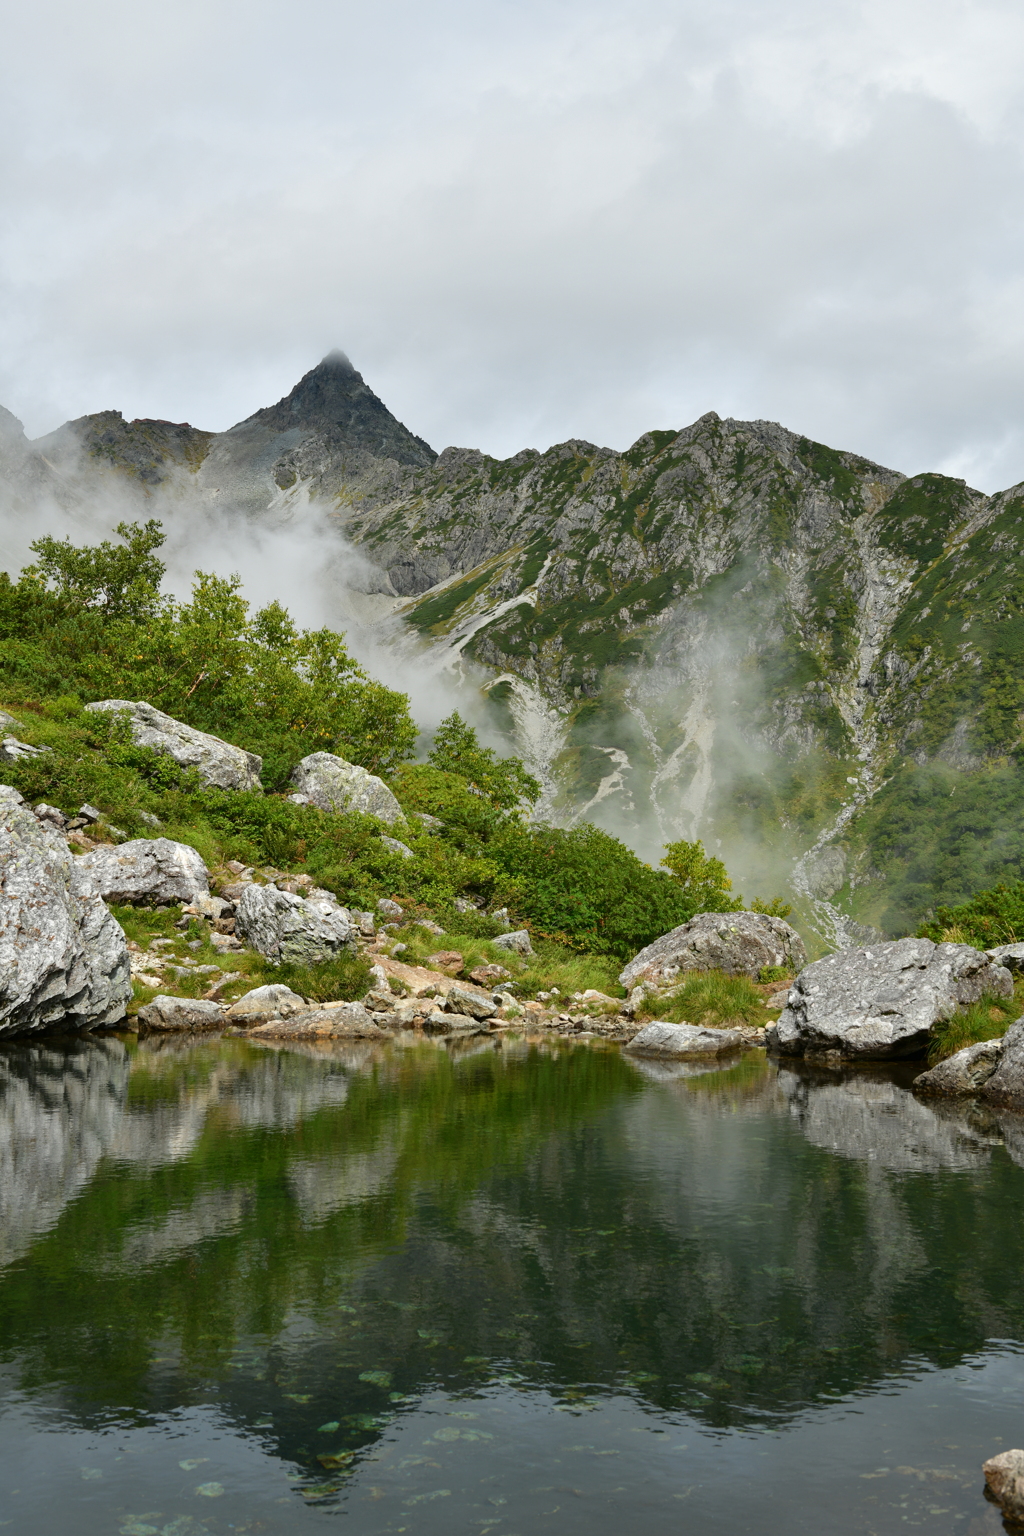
702,1238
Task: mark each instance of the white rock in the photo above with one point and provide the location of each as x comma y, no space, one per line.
394,846
217,762
173,1014
332,784
63,959
148,871
270,1002
517,942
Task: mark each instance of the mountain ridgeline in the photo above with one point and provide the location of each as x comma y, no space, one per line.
728,632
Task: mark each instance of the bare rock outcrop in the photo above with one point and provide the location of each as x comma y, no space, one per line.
282,926
332,784
148,871
217,762
739,943
63,959
882,1001
1006,1084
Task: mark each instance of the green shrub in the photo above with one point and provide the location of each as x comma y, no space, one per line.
987,1019
712,999
989,918
769,973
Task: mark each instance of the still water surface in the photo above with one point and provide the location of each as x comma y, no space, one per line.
507,1290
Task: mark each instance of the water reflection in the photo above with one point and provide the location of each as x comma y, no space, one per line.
308,1236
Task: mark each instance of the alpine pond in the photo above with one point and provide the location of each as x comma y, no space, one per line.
498,1287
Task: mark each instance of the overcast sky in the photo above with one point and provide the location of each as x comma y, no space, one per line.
525,220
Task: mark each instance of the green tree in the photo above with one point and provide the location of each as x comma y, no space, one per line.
703,877
122,579
503,780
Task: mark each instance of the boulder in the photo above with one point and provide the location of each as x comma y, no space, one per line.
217,762
662,1039
332,784
1004,1479
8,721
517,942
12,750
1006,1084
170,1015
271,1002
489,975
150,871
335,1021
739,943
388,908
1010,955
393,845
64,961
963,1073
466,1000
451,1024
882,1001
302,929
449,960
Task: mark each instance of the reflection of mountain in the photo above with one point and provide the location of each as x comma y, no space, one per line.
741,1242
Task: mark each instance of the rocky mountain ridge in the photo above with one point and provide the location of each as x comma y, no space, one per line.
811,661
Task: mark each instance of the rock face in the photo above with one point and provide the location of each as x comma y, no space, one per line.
963,1073
166,1015
1010,955
217,762
679,1040
305,930
149,871
332,784
1004,1478
63,959
882,1001
739,943
1006,1084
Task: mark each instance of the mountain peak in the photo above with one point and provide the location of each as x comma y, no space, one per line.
333,400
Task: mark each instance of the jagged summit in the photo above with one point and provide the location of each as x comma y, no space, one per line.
334,401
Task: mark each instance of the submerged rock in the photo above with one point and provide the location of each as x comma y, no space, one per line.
217,762
63,959
963,1073
305,930
739,943
882,1001
663,1039
332,784
148,871
1004,1478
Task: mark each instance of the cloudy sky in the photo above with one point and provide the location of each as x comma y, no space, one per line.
525,220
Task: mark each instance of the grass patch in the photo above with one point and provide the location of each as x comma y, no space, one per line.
714,1000
987,1019
553,965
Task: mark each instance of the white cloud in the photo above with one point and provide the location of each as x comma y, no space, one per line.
525,221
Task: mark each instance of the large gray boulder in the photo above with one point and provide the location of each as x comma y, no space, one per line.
63,959
217,762
304,930
1006,1084
882,1001
963,1073
739,943
517,942
261,1003
332,784
149,871
681,1040
173,1015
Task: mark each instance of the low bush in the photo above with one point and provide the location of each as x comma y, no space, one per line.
987,1019
989,918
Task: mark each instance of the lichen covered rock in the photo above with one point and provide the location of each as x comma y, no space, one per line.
304,930
149,871
681,1040
64,960
738,943
217,762
882,1001
332,784
963,1073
